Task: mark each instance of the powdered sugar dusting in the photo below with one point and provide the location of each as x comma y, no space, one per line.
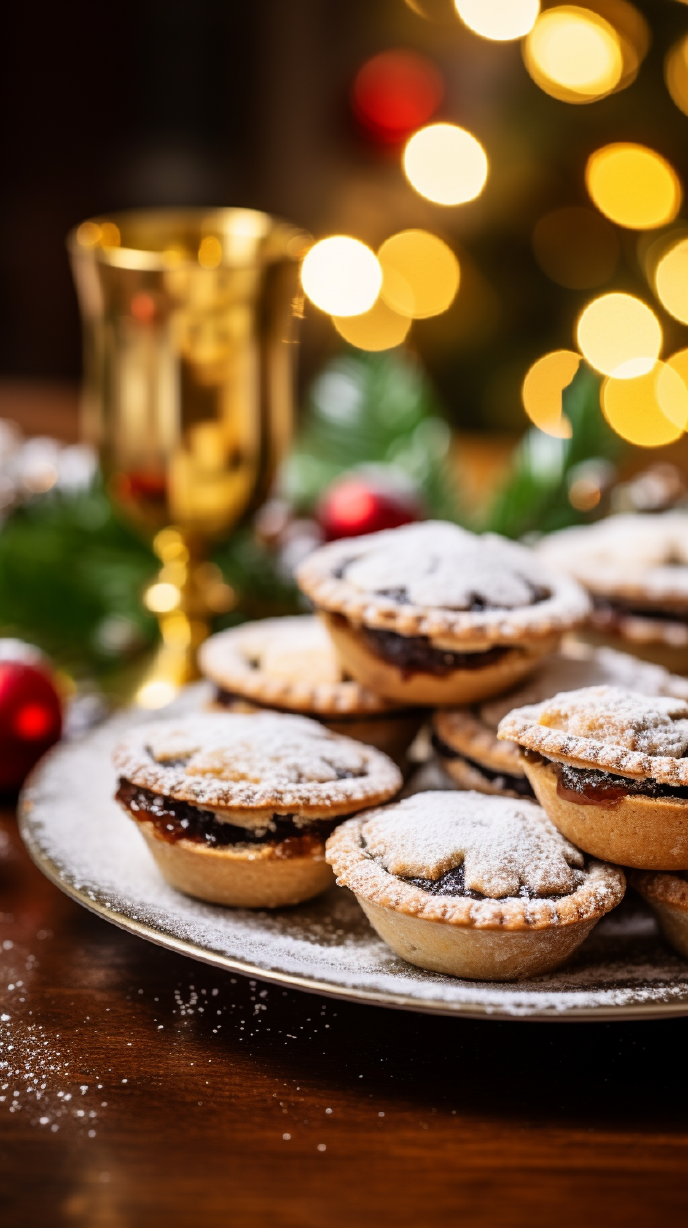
626,555
651,725
442,565
576,667
260,761
71,824
503,845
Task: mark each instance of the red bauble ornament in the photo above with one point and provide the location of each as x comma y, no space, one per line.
395,93
356,504
30,712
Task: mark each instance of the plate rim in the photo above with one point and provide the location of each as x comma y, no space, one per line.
369,997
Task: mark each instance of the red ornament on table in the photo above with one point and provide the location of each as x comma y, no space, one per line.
357,504
30,711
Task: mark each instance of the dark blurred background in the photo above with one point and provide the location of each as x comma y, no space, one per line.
224,102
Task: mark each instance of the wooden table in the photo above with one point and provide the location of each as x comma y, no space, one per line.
176,1095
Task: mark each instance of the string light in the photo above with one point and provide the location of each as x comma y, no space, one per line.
445,164
341,276
619,335
573,54
396,92
633,186
381,328
671,281
679,363
650,410
542,391
499,20
676,74
420,274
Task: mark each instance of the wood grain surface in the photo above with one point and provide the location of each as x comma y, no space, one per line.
199,1098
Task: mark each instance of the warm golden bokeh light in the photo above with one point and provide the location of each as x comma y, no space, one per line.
679,363
381,328
499,20
671,281
648,411
445,164
420,274
619,335
542,391
341,276
676,74
633,185
576,247
574,54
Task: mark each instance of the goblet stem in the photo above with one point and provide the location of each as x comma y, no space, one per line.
186,593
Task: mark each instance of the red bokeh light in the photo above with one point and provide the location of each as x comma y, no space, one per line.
395,93
353,506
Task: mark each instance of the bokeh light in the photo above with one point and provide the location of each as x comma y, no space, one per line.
420,274
676,74
576,247
619,335
542,391
633,185
648,411
341,276
573,54
381,328
679,363
500,20
396,92
445,164
671,281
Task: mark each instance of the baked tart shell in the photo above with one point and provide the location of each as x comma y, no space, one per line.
667,896
643,832
483,940
460,686
253,877
475,954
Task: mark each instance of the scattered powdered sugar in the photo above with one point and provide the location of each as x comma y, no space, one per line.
576,667
503,845
649,724
257,760
74,828
439,564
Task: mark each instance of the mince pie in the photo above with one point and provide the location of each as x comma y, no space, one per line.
635,568
609,766
465,739
473,886
667,895
236,809
432,614
290,664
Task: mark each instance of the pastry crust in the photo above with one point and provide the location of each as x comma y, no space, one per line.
418,687
642,832
667,895
442,570
478,937
473,731
634,557
286,663
248,768
252,876
620,724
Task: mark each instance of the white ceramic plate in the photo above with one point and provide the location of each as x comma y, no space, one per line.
82,840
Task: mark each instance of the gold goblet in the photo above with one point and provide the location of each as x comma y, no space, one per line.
188,319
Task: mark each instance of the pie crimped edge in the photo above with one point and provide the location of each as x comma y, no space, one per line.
312,799
223,658
567,606
602,890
